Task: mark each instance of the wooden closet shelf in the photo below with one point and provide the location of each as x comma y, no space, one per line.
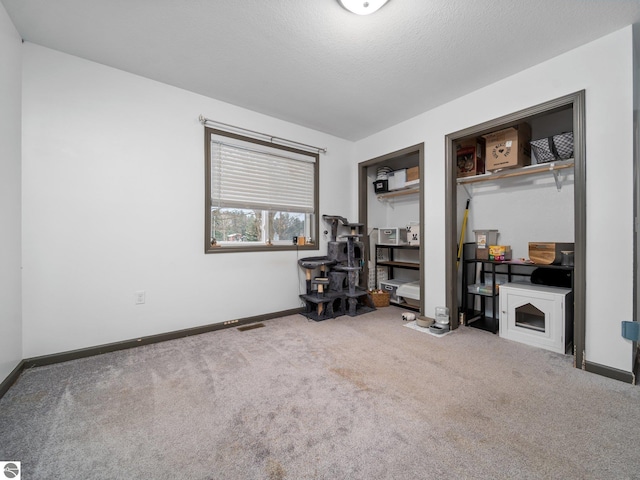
528,170
398,193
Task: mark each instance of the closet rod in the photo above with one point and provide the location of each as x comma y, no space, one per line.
283,141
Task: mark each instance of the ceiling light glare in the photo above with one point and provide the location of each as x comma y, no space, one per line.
362,7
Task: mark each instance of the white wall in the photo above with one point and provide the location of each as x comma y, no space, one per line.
604,69
522,209
113,171
10,141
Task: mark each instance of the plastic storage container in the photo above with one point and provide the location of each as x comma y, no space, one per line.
410,293
397,179
484,238
391,287
392,236
381,186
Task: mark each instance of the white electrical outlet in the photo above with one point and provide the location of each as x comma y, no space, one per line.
140,297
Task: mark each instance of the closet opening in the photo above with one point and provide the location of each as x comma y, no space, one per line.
538,201
391,208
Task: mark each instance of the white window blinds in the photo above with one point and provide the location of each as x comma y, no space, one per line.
246,175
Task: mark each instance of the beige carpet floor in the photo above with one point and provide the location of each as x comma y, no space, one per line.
347,398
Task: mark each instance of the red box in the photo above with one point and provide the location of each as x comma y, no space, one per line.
468,163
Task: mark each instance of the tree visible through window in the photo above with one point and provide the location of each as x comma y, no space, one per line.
258,195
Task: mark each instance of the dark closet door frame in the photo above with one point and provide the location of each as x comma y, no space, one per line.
577,101
363,211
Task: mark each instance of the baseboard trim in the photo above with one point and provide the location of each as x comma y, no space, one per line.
162,337
11,378
627,377
610,372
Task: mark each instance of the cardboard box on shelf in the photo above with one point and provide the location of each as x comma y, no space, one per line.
508,148
413,176
482,253
477,142
468,163
470,157
499,252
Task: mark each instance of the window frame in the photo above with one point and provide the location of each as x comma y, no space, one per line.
256,247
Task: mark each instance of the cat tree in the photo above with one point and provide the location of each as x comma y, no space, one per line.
335,291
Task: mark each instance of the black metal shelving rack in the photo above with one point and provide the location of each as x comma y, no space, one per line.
390,264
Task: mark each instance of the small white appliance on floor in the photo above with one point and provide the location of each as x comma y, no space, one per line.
537,315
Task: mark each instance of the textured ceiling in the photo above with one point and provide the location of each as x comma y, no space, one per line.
313,63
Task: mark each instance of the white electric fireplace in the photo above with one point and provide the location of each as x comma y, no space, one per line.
537,315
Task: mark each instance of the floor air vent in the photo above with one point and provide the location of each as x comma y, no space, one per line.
251,327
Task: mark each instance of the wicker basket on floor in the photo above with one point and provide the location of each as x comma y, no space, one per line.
380,299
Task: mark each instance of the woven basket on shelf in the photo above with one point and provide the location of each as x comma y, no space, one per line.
380,299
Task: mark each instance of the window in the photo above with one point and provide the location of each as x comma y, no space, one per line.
259,196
